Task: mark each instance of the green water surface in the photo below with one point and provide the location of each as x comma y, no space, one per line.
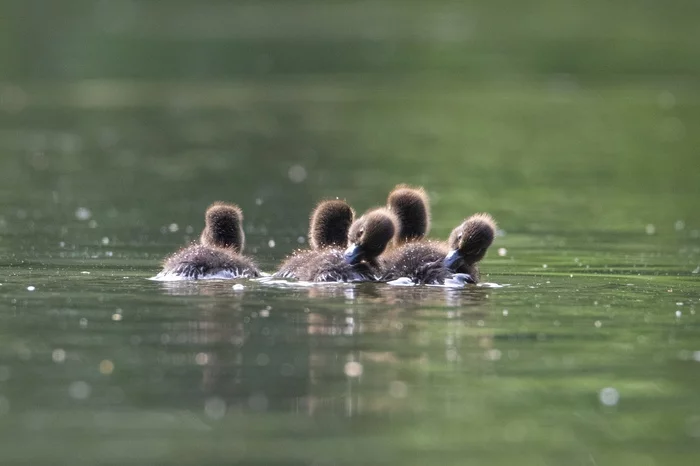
574,124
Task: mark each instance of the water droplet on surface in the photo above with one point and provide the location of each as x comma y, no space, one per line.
106,367
544,266
215,408
31,288
58,355
79,390
451,355
173,228
679,225
609,396
83,323
201,359
117,317
502,252
238,287
505,312
650,229
598,324
398,389
83,213
297,173
353,369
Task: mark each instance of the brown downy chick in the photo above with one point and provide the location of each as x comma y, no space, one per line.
333,264
469,242
219,253
369,236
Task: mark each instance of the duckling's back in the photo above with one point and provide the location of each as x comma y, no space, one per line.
421,261
324,265
200,261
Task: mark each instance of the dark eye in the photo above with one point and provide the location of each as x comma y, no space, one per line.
459,237
362,232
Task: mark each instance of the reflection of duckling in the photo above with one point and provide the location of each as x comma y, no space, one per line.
412,207
468,244
370,235
219,253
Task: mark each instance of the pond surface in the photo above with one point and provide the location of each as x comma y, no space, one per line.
588,353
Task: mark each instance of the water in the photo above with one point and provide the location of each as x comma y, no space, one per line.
589,352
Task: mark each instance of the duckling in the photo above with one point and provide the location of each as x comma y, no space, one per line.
414,257
328,229
433,262
369,236
468,244
219,252
412,207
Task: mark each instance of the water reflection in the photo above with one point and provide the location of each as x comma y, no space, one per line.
332,352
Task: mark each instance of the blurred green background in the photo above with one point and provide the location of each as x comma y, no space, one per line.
534,110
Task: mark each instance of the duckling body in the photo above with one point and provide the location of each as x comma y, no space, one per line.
200,262
432,262
324,265
328,261
468,244
420,261
219,252
413,256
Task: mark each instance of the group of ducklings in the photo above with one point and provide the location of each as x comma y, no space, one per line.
385,244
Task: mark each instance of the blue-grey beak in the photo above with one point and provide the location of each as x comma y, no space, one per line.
452,259
353,254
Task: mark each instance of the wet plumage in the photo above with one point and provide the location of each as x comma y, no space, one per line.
432,262
330,262
469,242
219,252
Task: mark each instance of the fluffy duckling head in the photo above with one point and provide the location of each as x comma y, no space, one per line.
370,234
470,240
223,227
330,223
412,207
